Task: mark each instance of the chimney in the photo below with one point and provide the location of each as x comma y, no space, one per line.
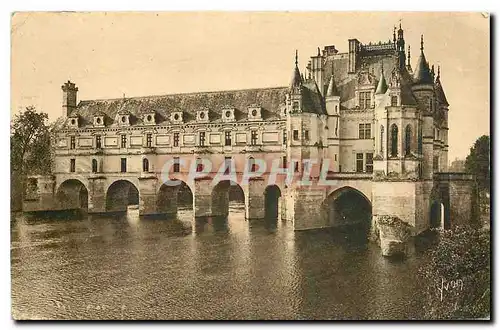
69,98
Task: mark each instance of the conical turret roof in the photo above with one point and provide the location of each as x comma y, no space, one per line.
439,90
332,88
382,84
296,77
422,73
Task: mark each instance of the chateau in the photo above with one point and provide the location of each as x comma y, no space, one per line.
375,125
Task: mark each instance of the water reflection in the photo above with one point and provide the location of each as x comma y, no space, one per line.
128,267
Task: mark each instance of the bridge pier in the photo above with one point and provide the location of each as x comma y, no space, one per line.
97,194
148,195
254,198
202,197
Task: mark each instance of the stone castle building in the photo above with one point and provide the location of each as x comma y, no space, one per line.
381,124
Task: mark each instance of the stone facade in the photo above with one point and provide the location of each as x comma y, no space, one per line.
368,121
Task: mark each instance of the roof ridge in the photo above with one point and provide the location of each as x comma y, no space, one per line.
185,94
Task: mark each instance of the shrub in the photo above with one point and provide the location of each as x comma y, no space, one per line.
455,276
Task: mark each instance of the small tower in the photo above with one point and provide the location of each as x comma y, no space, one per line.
423,90
332,102
408,66
70,92
317,71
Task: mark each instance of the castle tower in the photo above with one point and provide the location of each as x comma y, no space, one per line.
423,90
332,104
69,98
442,119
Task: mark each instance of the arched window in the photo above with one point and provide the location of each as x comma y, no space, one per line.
408,140
199,165
94,165
394,140
419,142
382,139
251,164
145,165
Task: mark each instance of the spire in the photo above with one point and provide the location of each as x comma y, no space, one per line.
439,89
382,84
409,56
394,35
296,77
332,89
422,73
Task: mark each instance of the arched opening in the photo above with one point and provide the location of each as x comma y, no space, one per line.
174,198
394,140
120,195
251,164
408,140
349,208
439,216
145,165
94,165
272,196
382,140
227,195
72,194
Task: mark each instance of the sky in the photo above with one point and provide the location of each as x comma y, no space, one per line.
109,55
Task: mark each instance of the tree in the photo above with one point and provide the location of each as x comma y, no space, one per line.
30,150
478,162
455,277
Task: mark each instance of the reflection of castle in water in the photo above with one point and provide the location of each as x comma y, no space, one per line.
378,126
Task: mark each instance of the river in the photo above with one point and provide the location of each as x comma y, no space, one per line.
126,267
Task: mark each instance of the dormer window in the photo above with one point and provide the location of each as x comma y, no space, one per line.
365,100
123,118
228,114
73,121
202,115
149,118
254,112
176,117
99,119
283,111
394,100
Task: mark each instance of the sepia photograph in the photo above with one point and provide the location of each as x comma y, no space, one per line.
245,165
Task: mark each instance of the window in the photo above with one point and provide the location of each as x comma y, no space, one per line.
408,140
365,131
335,157
394,140
306,135
145,165
124,141
285,164
435,163
72,165
227,165
295,105
98,144
94,165
359,162
394,101
123,165
251,164
296,166
420,140
199,165
149,140
253,138
365,100
369,162
202,139
72,142
284,138
176,139
382,140
295,134
227,138
177,165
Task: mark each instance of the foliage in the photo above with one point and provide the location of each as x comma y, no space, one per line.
478,162
30,143
455,280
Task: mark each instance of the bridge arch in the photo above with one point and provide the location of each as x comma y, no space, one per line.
72,194
439,209
272,195
348,206
120,194
224,192
171,196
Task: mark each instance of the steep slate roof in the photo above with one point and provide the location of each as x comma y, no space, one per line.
439,91
312,101
270,99
382,85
